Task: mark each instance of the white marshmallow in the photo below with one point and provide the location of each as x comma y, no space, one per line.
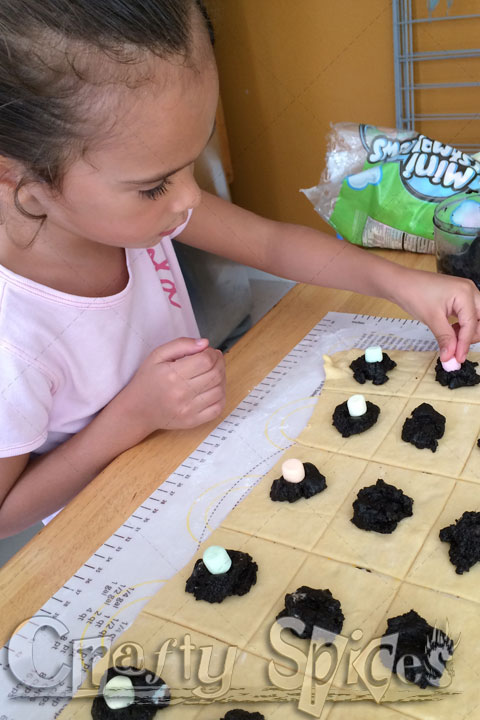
293,470
119,692
467,214
451,365
373,354
356,405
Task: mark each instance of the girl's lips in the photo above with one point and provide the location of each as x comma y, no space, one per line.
169,232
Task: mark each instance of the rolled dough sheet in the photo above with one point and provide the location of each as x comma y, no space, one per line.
461,432
258,515
402,380
312,542
392,553
463,619
431,390
432,567
227,621
320,433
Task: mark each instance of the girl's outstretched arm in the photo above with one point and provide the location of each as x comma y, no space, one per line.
306,255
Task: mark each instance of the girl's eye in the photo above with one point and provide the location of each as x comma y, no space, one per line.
155,192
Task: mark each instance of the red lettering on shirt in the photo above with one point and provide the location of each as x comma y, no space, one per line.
167,283
171,290
158,266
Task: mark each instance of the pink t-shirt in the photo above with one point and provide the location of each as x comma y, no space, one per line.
64,357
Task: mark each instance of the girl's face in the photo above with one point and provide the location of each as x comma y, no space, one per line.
138,184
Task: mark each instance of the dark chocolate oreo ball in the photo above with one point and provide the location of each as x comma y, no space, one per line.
424,428
416,650
376,372
130,694
215,588
286,491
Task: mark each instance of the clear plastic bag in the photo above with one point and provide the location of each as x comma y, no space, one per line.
380,185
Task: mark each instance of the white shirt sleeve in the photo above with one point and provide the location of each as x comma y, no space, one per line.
25,404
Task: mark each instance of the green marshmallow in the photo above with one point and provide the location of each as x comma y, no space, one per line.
217,560
119,692
373,354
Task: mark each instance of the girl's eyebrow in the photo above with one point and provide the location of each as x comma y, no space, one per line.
164,176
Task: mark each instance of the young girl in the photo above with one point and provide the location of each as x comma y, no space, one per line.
104,107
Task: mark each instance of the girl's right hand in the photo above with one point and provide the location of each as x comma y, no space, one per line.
179,385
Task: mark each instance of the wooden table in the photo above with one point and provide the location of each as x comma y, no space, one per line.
40,568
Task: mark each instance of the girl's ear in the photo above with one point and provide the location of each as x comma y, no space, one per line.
10,174
16,189
26,197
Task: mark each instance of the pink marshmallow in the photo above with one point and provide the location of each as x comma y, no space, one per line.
451,365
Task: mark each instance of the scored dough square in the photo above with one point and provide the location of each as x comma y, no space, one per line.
388,553
461,431
471,471
366,710
320,432
429,388
249,676
362,608
237,617
299,524
270,710
432,567
463,619
402,380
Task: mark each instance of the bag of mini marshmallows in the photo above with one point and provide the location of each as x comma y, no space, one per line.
380,186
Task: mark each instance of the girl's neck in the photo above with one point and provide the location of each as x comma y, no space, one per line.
94,274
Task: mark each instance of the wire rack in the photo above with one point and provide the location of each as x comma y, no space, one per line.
432,78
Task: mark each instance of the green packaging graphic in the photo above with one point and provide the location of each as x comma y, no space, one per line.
381,186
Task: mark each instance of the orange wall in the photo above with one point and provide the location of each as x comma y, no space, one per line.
288,68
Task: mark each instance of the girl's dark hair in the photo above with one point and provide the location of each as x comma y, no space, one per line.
54,52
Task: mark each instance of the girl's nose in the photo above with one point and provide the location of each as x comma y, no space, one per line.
188,193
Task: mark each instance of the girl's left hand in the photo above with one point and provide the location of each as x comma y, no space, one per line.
434,298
